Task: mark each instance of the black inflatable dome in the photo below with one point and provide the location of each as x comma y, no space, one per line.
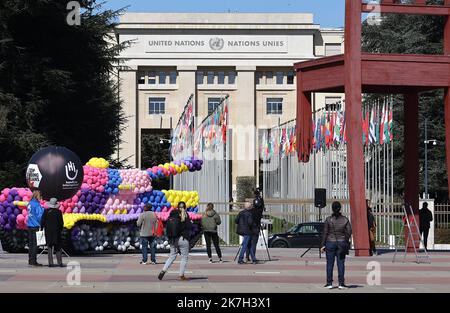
56,172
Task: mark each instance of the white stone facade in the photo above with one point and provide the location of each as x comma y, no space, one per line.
248,56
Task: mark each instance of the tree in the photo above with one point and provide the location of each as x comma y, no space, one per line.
57,83
414,34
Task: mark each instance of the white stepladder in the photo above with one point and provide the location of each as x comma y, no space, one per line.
413,232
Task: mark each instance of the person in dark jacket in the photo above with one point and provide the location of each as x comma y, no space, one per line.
335,242
372,225
425,218
53,224
210,221
245,228
179,244
257,214
35,211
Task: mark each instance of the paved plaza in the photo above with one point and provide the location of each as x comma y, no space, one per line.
287,272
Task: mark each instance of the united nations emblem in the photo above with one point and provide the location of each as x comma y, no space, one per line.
216,43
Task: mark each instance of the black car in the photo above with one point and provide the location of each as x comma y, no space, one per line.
303,235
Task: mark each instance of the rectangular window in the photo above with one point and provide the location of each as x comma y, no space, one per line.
156,106
280,78
332,49
162,78
210,78
152,78
333,103
231,78
221,78
173,78
213,103
290,78
269,78
258,78
200,78
274,106
141,78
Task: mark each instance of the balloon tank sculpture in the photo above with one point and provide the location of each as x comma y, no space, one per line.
102,215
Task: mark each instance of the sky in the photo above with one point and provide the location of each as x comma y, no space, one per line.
327,13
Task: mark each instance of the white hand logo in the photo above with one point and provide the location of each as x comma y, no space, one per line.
70,168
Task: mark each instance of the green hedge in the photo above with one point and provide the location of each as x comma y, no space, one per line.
244,187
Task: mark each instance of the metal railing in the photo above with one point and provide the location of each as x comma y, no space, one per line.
285,214
442,223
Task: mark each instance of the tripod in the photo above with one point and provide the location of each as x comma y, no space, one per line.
261,232
46,250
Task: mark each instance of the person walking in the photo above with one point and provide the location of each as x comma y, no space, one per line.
147,222
335,242
35,211
178,230
425,218
210,221
53,224
245,228
372,225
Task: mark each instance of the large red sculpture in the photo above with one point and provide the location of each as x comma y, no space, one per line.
355,73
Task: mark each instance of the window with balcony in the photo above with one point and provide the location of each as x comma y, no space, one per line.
152,78
173,77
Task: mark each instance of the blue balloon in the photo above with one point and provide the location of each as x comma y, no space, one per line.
158,199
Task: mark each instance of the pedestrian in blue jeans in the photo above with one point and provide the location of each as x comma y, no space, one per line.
335,242
147,222
245,225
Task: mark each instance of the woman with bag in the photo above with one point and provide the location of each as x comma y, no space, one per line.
210,221
335,242
35,211
53,224
178,229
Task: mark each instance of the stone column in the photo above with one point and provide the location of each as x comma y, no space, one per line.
129,147
243,124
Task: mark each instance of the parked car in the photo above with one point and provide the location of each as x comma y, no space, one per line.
303,235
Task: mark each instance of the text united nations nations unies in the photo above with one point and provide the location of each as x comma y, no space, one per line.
224,303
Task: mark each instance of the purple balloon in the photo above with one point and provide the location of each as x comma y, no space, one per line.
7,227
2,221
17,212
2,209
12,218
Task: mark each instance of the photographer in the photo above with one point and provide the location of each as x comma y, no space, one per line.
257,213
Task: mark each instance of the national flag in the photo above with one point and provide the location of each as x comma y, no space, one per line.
382,139
372,131
337,129
377,126
386,136
391,125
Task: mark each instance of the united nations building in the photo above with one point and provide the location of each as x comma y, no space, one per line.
249,57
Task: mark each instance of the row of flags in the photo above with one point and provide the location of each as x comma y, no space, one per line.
278,141
213,130
329,131
180,143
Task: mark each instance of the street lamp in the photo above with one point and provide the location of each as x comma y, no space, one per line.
426,142
162,140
